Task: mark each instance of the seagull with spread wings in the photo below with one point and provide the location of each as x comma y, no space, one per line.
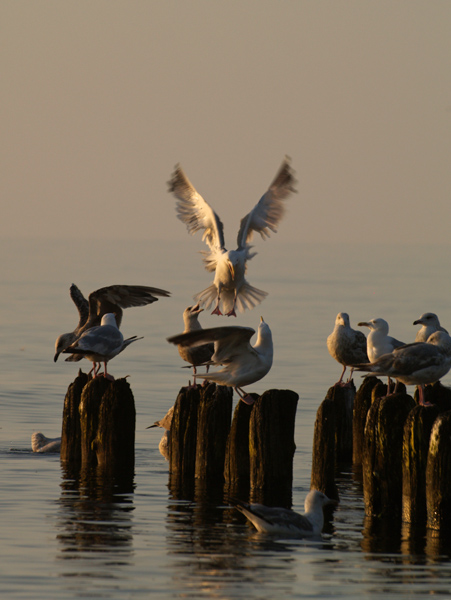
230,288
111,299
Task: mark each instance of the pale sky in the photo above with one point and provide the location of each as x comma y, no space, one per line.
100,99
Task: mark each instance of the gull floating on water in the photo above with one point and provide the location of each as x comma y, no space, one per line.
419,363
164,423
243,364
111,299
283,521
230,288
101,344
195,355
346,345
378,341
430,323
40,443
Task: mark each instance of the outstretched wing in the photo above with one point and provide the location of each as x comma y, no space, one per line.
267,213
229,340
195,212
81,303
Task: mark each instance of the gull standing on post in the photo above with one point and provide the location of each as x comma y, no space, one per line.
346,345
230,288
243,364
430,324
283,521
418,364
101,344
195,355
111,299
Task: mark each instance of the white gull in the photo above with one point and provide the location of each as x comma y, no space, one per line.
430,323
40,443
346,345
230,288
243,364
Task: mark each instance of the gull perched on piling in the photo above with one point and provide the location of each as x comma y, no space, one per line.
195,355
346,345
419,363
378,341
430,324
230,288
283,521
110,299
243,364
101,344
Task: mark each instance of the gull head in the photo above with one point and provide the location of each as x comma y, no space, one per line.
375,325
427,319
109,319
62,342
316,500
343,320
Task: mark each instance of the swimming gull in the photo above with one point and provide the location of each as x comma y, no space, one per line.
40,443
230,288
195,355
101,344
378,341
430,323
164,423
110,299
283,521
346,345
418,363
243,364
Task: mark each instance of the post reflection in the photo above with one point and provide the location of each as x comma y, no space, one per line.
95,513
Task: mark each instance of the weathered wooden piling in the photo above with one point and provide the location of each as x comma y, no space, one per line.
382,455
237,466
415,447
362,402
438,480
272,447
71,432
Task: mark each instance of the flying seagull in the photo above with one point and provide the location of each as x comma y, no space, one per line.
195,355
283,521
242,363
378,341
346,345
101,344
230,288
111,299
430,323
419,363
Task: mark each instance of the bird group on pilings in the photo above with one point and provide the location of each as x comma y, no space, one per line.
400,451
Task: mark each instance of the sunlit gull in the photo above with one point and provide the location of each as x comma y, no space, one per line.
378,341
40,443
430,323
101,344
419,363
111,299
243,364
164,423
230,288
346,345
283,521
195,355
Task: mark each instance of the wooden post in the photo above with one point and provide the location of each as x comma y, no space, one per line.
362,403
324,451
70,432
213,426
382,455
438,480
237,464
272,447
417,431
343,398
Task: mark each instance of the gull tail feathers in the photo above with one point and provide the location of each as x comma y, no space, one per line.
249,297
206,297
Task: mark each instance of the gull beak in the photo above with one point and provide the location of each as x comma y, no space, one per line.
262,320
362,324
418,322
55,358
196,309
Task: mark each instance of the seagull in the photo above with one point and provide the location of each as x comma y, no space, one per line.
164,423
195,355
243,364
101,344
430,323
229,287
378,341
346,345
418,363
40,443
283,521
111,299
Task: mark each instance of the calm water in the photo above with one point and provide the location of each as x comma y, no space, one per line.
61,539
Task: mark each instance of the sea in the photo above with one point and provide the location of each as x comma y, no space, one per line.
60,540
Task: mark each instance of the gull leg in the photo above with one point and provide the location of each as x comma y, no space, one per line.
244,397
106,374
421,394
341,376
232,312
216,310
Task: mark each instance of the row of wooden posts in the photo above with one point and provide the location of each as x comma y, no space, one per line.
403,450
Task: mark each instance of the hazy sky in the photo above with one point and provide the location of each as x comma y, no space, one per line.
101,99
